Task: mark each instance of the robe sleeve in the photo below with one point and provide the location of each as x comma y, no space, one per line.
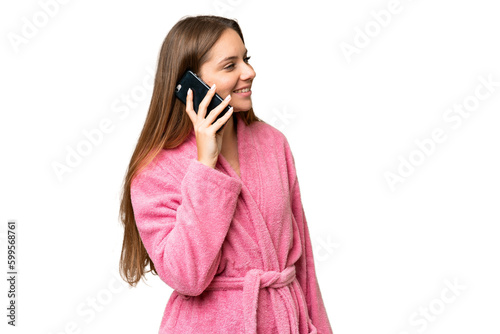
305,269
183,223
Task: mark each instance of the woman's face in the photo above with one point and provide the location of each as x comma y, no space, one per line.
228,68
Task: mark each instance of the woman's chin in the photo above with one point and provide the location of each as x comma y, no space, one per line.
242,108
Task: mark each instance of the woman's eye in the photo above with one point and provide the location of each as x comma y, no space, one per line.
230,66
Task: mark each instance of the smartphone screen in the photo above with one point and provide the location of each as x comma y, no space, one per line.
200,89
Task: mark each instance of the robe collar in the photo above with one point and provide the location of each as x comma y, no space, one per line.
250,155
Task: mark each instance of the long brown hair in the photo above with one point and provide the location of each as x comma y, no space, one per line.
167,124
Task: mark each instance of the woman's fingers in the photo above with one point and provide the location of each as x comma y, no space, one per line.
202,108
189,106
199,118
214,113
223,120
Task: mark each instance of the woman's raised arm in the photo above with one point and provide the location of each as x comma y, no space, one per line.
183,223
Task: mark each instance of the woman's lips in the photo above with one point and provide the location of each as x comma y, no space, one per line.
243,92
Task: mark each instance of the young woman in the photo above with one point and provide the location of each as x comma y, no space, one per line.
218,216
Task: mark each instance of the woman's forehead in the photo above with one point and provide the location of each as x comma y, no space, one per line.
229,44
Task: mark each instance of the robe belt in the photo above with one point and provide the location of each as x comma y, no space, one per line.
254,280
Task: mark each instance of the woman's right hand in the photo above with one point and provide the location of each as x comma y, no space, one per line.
208,141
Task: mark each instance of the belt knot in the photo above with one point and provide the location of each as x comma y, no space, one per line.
270,279
251,283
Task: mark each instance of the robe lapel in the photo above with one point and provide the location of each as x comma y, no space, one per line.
251,190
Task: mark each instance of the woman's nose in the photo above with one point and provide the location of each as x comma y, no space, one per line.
248,72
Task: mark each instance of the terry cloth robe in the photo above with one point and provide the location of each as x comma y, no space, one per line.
236,251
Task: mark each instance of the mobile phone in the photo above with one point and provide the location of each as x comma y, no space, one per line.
200,89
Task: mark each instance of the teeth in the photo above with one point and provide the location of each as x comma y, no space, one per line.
244,90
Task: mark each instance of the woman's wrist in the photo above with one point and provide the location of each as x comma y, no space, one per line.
209,164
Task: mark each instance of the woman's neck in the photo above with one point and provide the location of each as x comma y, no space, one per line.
230,130
229,138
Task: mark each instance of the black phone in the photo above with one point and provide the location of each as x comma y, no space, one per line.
200,89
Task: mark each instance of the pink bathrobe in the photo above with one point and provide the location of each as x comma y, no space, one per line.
236,251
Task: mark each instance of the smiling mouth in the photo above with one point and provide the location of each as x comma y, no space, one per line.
244,90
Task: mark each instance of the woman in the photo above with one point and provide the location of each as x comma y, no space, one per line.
218,216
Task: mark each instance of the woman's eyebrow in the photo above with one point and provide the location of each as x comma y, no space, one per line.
233,57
